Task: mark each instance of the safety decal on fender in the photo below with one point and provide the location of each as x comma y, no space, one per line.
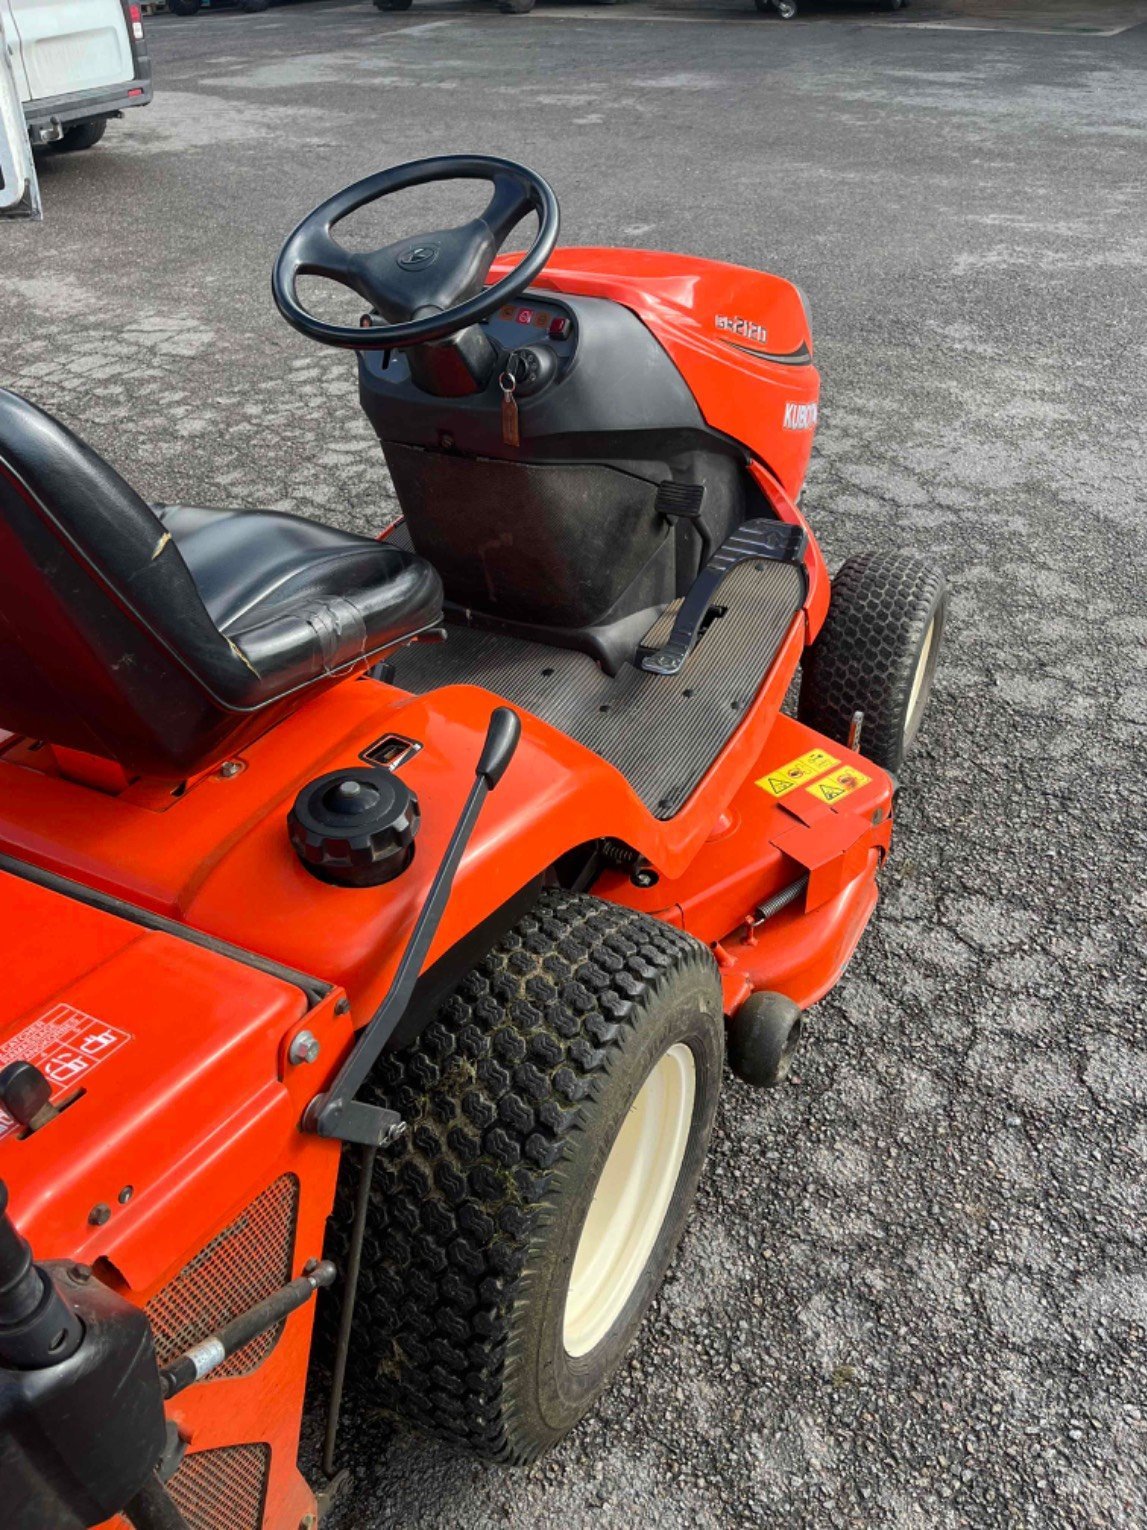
65,1044
797,772
839,784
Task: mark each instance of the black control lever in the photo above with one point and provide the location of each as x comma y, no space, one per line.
37,1327
337,1113
81,1411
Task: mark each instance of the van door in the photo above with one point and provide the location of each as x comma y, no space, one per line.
66,46
19,190
11,45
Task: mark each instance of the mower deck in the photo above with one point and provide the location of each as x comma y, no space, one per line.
661,732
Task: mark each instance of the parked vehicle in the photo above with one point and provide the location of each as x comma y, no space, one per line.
193,7
77,64
788,10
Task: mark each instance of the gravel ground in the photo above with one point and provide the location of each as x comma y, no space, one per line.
913,1292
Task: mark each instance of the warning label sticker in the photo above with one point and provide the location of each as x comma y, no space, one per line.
839,784
65,1044
797,772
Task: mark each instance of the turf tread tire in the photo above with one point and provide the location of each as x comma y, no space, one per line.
866,653
460,1209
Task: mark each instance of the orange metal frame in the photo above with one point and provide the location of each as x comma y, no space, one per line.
199,1110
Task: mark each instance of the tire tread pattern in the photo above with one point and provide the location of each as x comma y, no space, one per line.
865,655
493,1092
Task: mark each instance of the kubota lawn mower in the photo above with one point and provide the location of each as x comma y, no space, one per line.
374,912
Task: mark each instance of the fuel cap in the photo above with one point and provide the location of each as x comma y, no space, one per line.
355,828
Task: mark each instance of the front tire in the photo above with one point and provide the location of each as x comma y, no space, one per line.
515,7
876,654
253,6
559,1110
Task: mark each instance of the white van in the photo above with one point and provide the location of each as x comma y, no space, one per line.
77,63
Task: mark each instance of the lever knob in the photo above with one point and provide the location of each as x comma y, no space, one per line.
25,1094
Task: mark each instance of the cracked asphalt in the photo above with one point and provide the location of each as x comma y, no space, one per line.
913,1292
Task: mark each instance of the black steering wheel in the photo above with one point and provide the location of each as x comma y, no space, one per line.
425,288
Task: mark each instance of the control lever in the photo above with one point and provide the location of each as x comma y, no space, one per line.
81,1411
337,1113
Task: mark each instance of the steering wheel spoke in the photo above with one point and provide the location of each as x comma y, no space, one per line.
512,201
429,287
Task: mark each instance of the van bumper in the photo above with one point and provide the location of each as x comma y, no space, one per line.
48,118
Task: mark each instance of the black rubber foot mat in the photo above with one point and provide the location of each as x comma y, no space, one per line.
661,732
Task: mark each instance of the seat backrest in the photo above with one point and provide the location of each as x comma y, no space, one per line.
105,644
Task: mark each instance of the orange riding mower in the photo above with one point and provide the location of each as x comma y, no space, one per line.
378,914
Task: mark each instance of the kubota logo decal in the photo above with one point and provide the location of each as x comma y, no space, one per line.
800,416
743,327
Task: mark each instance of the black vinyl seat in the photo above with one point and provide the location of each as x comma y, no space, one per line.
164,638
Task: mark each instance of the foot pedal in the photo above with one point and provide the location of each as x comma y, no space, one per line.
777,541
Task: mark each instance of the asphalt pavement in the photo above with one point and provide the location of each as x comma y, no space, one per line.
913,1293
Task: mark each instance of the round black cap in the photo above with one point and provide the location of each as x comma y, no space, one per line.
355,827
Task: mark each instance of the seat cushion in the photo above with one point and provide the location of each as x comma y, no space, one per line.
167,642
264,576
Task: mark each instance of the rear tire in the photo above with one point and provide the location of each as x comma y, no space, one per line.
184,7
515,7
576,1068
82,135
876,654
252,6
787,10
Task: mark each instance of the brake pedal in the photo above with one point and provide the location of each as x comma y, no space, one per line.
775,541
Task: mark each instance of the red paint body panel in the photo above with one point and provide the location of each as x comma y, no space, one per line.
193,1108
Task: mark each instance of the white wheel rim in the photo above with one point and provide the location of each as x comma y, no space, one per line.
916,697
630,1201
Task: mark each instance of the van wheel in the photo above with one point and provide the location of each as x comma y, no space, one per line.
515,7
876,654
82,135
184,7
558,1108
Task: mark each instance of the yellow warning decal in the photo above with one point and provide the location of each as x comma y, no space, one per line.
797,772
839,784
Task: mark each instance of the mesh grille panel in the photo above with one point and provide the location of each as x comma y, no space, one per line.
223,1489
239,1267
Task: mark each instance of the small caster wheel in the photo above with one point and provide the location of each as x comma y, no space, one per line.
763,1036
